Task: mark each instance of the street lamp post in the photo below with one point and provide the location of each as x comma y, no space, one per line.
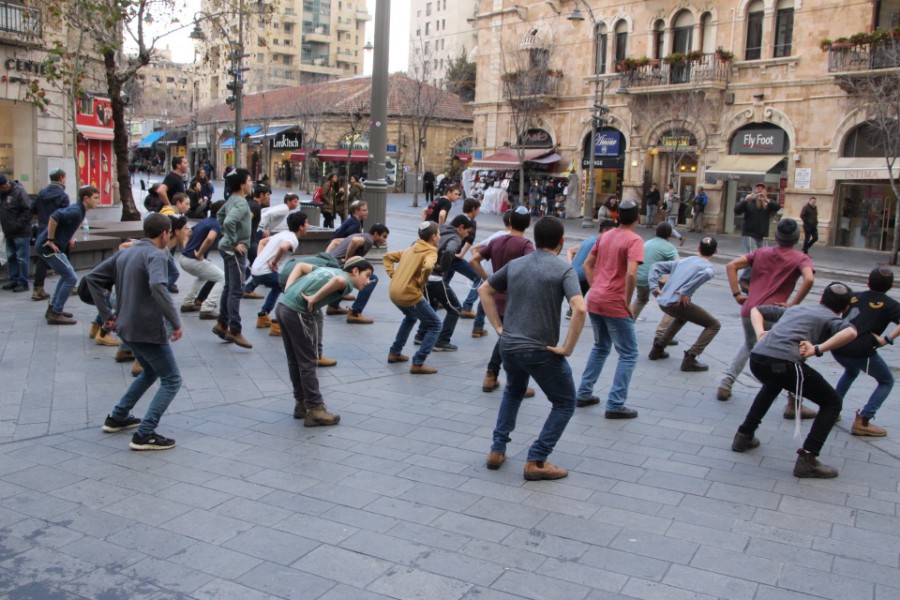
598,119
376,185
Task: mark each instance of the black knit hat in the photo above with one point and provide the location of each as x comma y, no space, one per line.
787,233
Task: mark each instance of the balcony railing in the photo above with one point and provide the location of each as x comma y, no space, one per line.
15,18
709,69
537,86
863,58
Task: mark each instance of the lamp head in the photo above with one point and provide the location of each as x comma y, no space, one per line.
576,16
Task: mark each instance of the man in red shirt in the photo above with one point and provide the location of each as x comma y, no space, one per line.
776,270
611,267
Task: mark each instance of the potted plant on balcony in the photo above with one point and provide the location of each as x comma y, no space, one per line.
724,55
860,39
841,43
879,37
895,33
554,73
627,65
695,55
676,58
825,44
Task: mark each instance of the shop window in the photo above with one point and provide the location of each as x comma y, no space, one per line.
784,28
621,41
600,50
755,16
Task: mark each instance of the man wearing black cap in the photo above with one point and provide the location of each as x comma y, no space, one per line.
611,267
15,218
676,300
779,362
757,208
776,270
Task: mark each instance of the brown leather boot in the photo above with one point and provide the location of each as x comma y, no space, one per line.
490,382
690,364
356,318
805,412
808,466
263,321
495,459
422,369
397,358
536,470
320,417
743,442
136,369
324,361
299,409
657,352
55,318
38,293
862,426
275,330
238,338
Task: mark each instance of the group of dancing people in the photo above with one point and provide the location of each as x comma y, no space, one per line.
608,277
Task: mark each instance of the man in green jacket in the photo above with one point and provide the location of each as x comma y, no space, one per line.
234,220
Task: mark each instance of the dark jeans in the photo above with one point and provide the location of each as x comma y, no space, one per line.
18,252
776,375
438,291
428,188
269,280
432,328
810,237
328,220
174,273
465,269
362,296
873,366
41,267
233,291
552,374
158,362
300,336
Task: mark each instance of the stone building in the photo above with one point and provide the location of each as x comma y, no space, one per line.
326,124
440,32
718,94
37,132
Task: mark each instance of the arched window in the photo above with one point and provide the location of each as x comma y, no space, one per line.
707,39
755,15
867,140
784,28
683,33
659,36
621,41
600,50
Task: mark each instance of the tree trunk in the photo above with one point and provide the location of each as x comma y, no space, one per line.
120,139
895,243
417,155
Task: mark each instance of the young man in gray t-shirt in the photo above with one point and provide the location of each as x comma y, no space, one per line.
357,244
536,285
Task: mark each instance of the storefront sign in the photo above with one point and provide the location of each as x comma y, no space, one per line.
536,138
802,178
288,140
392,148
865,174
758,141
608,143
675,141
614,162
21,65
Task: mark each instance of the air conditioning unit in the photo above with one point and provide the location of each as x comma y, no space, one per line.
729,98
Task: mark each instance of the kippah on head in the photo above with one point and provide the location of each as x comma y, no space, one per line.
787,232
629,210
837,296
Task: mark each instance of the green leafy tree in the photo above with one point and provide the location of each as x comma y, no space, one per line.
460,78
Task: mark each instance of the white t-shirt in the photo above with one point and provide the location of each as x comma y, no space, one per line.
261,264
274,219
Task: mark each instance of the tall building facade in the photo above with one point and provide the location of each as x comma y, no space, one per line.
714,94
439,32
287,43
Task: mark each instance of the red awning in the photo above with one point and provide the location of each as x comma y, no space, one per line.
298,156
95,133
464,157
508,158
341,156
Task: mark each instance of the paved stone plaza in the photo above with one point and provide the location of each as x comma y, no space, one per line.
395,502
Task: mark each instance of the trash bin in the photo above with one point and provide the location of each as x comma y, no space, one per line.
313,213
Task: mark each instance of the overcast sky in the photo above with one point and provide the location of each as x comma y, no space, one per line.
182,46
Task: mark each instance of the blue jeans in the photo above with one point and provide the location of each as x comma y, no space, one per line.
673,221
67,280
430,322
362,296
174,273
651,215
158,362
609,331
873,366
18,252
750,244
232,291
554,376
270,280
465,269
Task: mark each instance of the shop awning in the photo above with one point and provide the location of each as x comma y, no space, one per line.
271,131
745,164
246,131
464,157
173,137
95,133
341,156
151,139
298,155
548,160
508,158
860,168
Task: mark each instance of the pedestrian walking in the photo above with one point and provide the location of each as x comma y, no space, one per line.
672,204
809,216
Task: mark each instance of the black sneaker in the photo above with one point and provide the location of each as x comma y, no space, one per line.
111,425
152,441
417,341
445,347
587,402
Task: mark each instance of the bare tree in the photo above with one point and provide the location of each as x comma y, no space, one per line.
530,86
311,107
355,116
420,101
876,91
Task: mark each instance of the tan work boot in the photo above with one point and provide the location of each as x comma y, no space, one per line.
38,293
253,296
275,330
422,369
397,358
536,470
107,339
220,330
124,356
324,361
94,330
354,317
477,333
808,466
467,314
805,412
336,311
490,382
862,426
299,409
136,369
263,321
495,459
320,417
238,338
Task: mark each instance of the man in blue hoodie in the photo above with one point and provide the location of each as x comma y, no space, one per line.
50,199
